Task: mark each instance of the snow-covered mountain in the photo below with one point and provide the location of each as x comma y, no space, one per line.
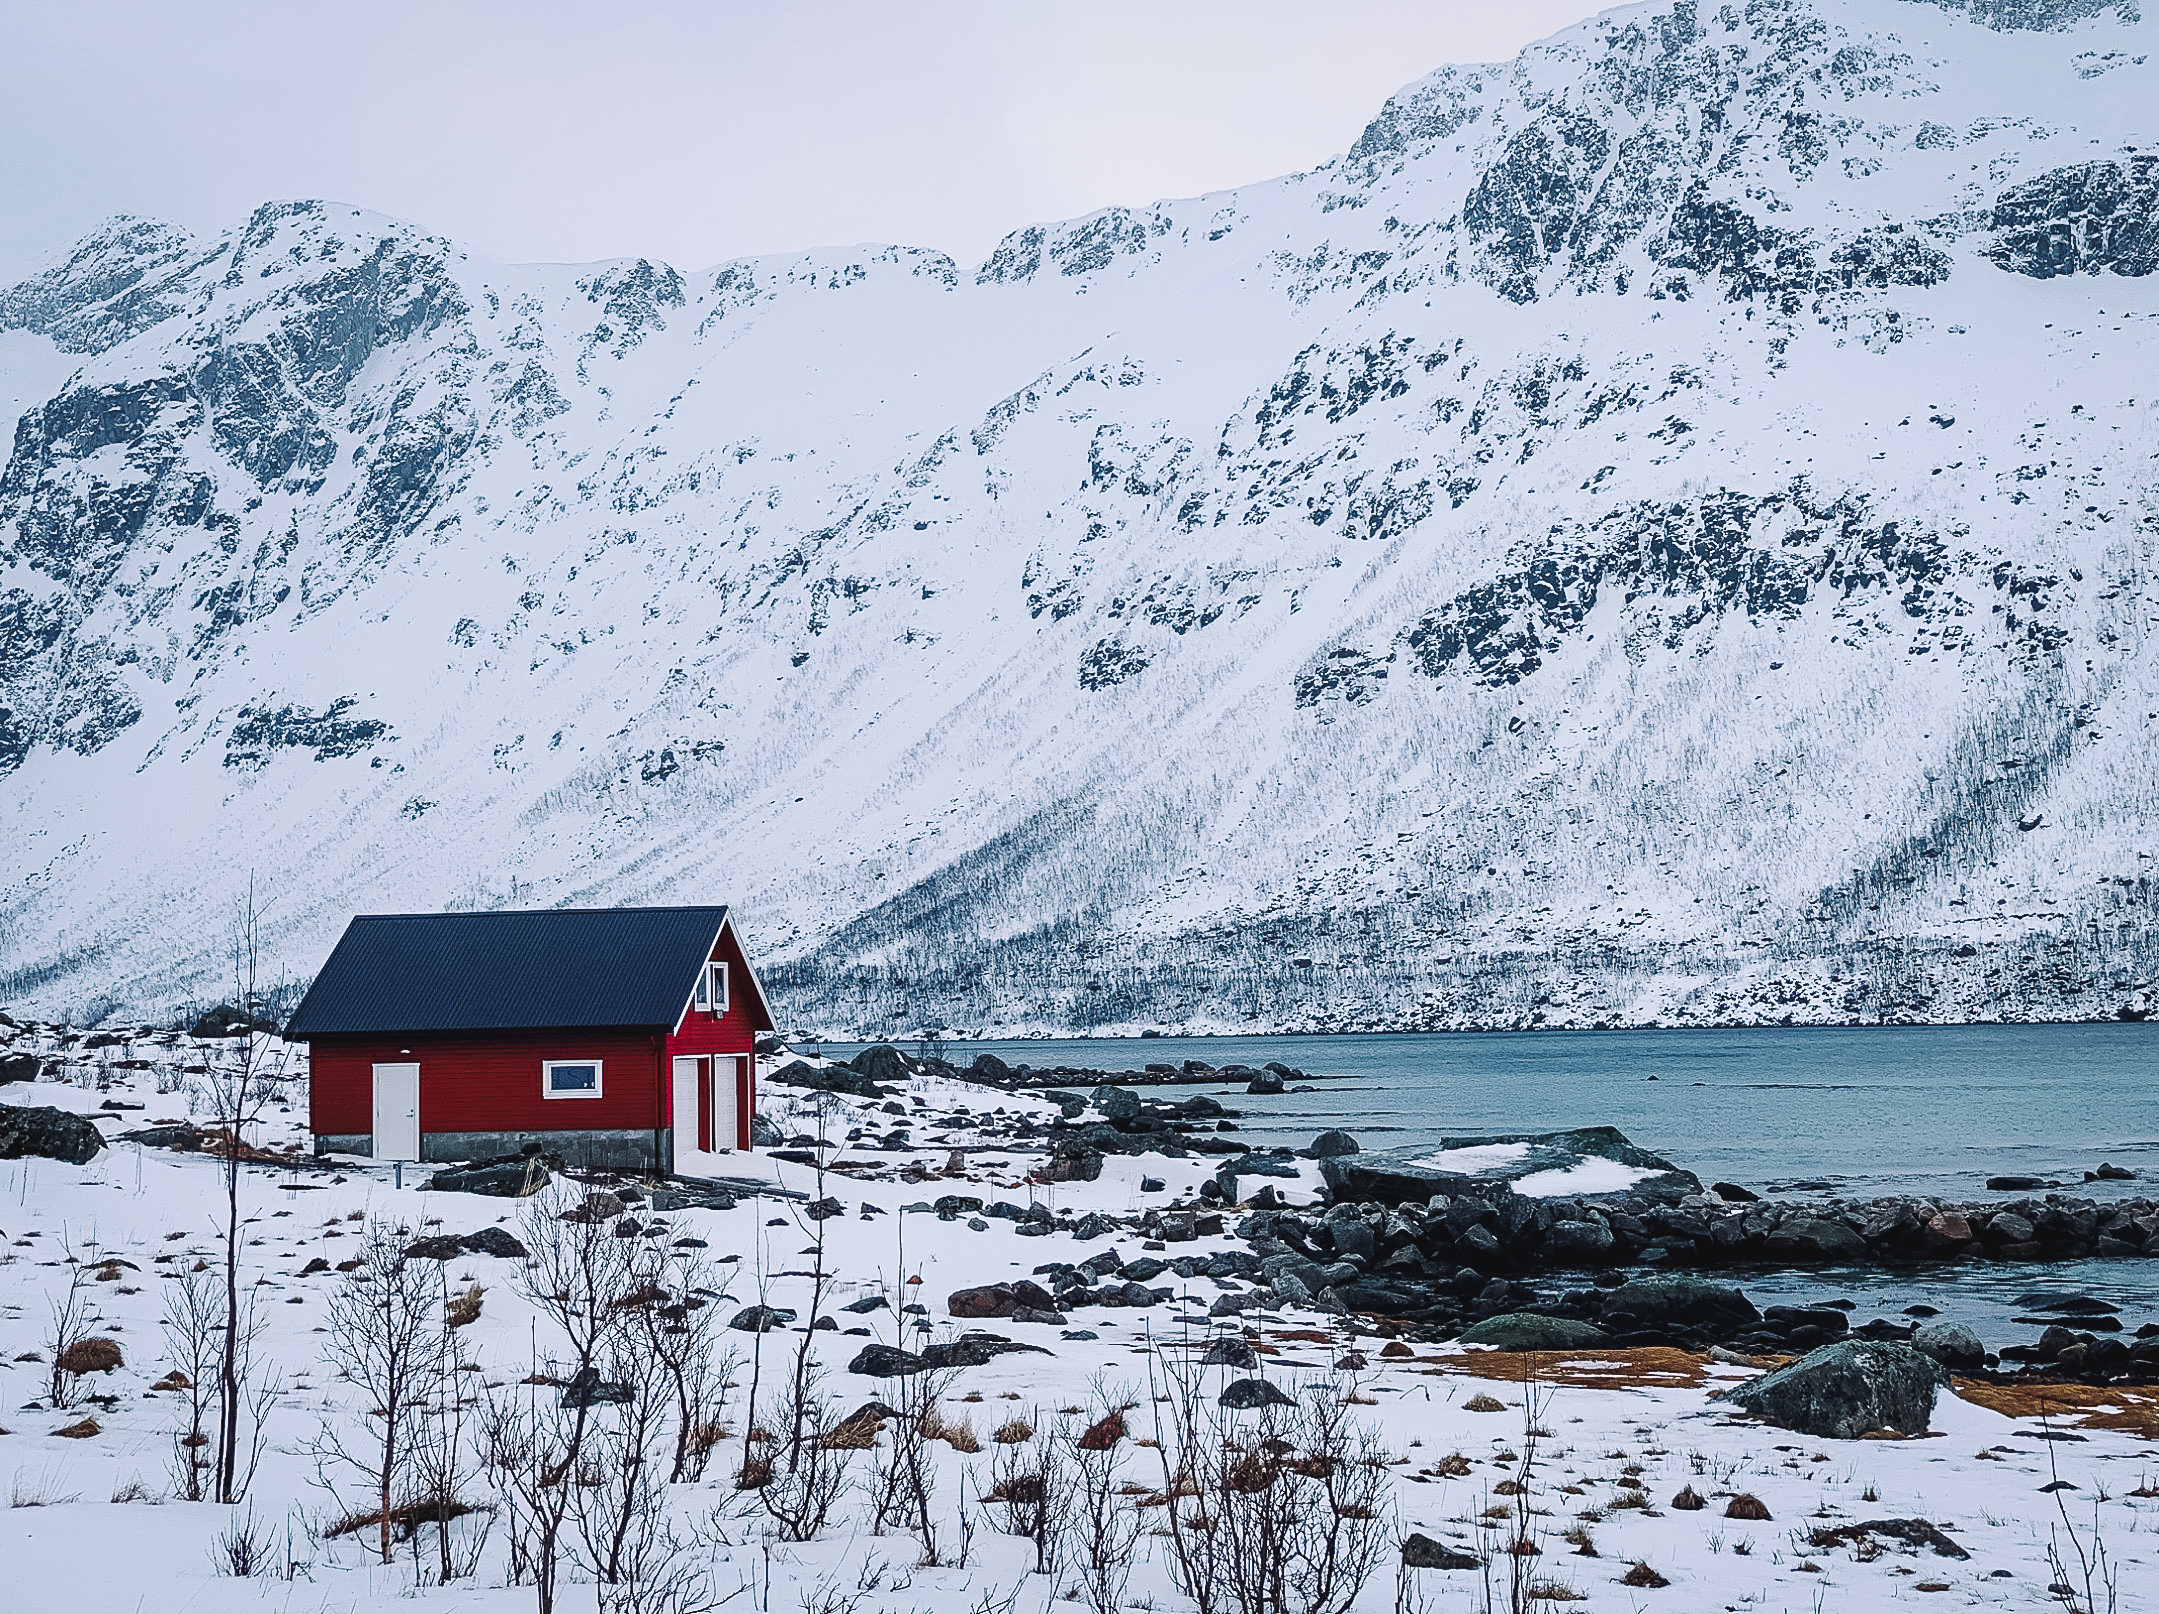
1661,529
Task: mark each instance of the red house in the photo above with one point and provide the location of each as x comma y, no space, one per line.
614,1036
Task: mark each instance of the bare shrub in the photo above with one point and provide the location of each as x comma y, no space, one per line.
1280,1513
242,1548
1032,1484
194,1319
69,1313
385,1338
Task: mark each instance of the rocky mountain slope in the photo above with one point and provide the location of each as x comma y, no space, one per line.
1662,529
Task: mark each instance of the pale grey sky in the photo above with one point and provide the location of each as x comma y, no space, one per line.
538,130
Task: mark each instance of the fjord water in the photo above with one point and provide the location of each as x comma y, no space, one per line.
1864,1109
1854,1111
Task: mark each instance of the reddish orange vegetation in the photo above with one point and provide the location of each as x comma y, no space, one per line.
1654,1367
2084,1406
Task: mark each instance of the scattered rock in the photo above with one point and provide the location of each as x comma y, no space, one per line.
1951,1344
1333,1144
47,1134
1231,1351
1422,1552
1912,1532
1247,1395
1532,1331
761,1319
515,1178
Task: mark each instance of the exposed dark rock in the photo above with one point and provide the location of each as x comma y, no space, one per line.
1333,1145
1531,1331
1246,1395
829,1078
48,1134
1422,1552
1843,1391
512,1178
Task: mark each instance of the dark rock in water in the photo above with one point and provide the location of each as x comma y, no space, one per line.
1392,1177
1811,1238
2109,1173
2096,1323
1333,1144
761,1319
1733,1194
1843,1391
1922,1311
1116,1103
1422,1552
1579,1244
2068,1304
1247,1395
1231,1351
1679,1300
1951,1344
989,1068
1533,1331
2016,1185
1265,1085
47,1134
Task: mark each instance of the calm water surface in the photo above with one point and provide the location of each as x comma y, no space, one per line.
1866,1110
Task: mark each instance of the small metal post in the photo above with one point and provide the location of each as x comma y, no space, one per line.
399,1169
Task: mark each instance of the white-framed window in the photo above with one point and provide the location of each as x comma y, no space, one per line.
569,1078
712,989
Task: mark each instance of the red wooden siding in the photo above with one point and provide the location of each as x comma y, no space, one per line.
490,1081
732,1034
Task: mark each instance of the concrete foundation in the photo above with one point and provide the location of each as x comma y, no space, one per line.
611,1150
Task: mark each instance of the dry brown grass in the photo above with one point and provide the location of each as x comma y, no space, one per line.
1480,1402
1746,1505
93,1355
79,1431
1640,1574
1653,1367
1689,1500
2084,1406
1013,1431
464,1307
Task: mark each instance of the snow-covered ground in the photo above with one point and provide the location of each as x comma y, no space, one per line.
69,1543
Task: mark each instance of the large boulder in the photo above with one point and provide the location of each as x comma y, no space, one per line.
1681,1300
883,1063
1815,1238
1116,1103
512,1178
1533,1331
19,1068
1333,1144
1000,1299
48,1134
1395,1176
827,1079
1951,1344
1846,1390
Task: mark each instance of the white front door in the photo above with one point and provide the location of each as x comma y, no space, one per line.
397,1112
724,1073
688,1105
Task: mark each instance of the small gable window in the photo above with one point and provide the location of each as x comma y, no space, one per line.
712,989
570,1078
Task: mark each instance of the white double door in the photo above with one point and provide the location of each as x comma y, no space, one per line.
704,1104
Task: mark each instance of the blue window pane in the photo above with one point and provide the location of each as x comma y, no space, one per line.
575,1078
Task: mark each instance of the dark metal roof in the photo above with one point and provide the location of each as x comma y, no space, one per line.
586,967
